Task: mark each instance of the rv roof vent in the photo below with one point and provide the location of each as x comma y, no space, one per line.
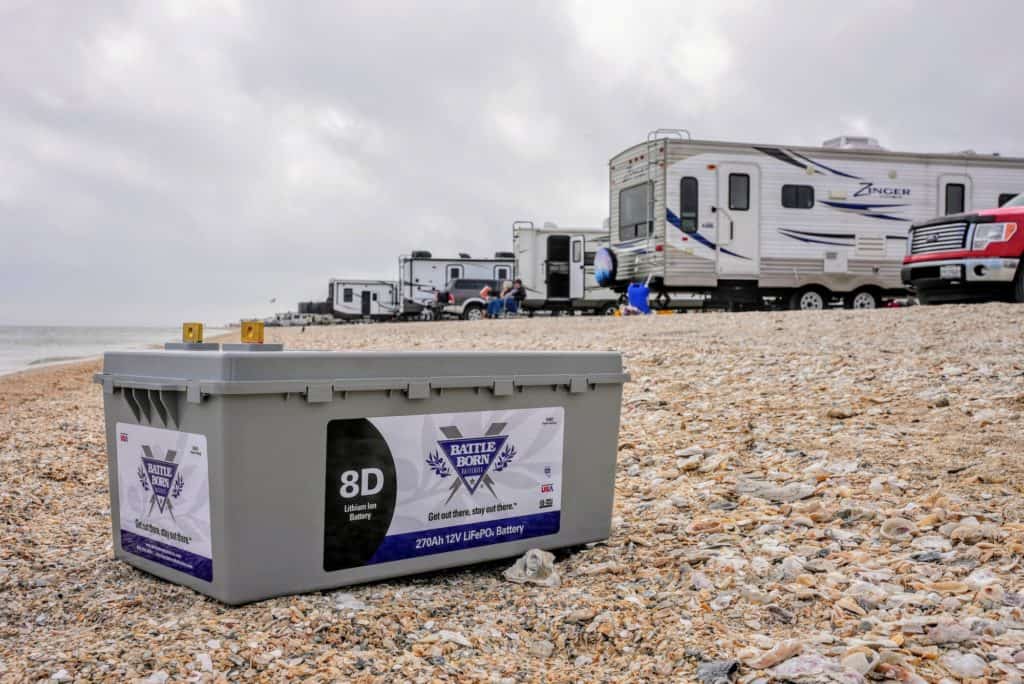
463,255
420,254
853,142
504,255
551,225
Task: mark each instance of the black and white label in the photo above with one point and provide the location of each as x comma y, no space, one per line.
407,486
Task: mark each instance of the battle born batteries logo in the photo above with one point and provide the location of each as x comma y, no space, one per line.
162,477
473,459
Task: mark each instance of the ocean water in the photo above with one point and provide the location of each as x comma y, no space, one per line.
24,347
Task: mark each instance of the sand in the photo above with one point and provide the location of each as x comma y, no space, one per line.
813,495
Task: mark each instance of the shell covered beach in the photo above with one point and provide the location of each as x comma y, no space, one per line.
800,496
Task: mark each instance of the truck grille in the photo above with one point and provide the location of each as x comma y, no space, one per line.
943,238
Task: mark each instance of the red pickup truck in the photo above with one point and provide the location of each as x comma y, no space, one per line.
968,256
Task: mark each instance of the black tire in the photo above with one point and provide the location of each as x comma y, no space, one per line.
1018,285
809,299
864,298
924,299
607,310
473,312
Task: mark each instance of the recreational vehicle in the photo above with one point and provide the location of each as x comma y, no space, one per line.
556,266
422,276
756,223
364,299
288,319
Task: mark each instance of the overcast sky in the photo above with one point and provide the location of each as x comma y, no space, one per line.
164,161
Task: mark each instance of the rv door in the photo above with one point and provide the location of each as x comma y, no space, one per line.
366,303
955,192
576,268
738,219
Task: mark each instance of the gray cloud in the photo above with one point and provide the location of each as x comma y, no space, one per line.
163,161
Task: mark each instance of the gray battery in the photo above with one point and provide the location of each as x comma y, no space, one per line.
251,474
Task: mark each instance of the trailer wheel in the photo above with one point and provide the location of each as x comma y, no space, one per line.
863,299
473,312
608,310
808,299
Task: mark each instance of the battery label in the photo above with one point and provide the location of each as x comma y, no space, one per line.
164,496
407,486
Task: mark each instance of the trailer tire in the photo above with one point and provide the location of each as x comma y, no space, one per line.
473,312
864,298
608,310
1018,285
809,299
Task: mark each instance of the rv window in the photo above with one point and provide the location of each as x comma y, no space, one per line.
454,272
739,192
1005,197
374,296
577,252
797,196
347,294
634,207
501,273
688,204
954,198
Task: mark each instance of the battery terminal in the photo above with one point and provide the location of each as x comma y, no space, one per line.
192,333
252,332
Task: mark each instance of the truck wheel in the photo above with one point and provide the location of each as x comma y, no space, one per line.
863,299
473,312
608,310
1018,285
808,299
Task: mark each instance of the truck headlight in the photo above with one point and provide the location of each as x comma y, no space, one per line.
987,233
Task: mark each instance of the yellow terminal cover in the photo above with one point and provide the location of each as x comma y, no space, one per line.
192,332
252,332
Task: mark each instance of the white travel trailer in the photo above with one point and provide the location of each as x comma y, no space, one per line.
556,266
364,299
288,319
421,276
801,226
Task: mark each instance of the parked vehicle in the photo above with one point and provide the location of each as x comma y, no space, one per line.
423,276
968,256
462,297
364,299
556,266
288,319
753,224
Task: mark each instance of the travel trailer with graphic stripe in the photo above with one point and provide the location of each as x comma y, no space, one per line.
751,224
